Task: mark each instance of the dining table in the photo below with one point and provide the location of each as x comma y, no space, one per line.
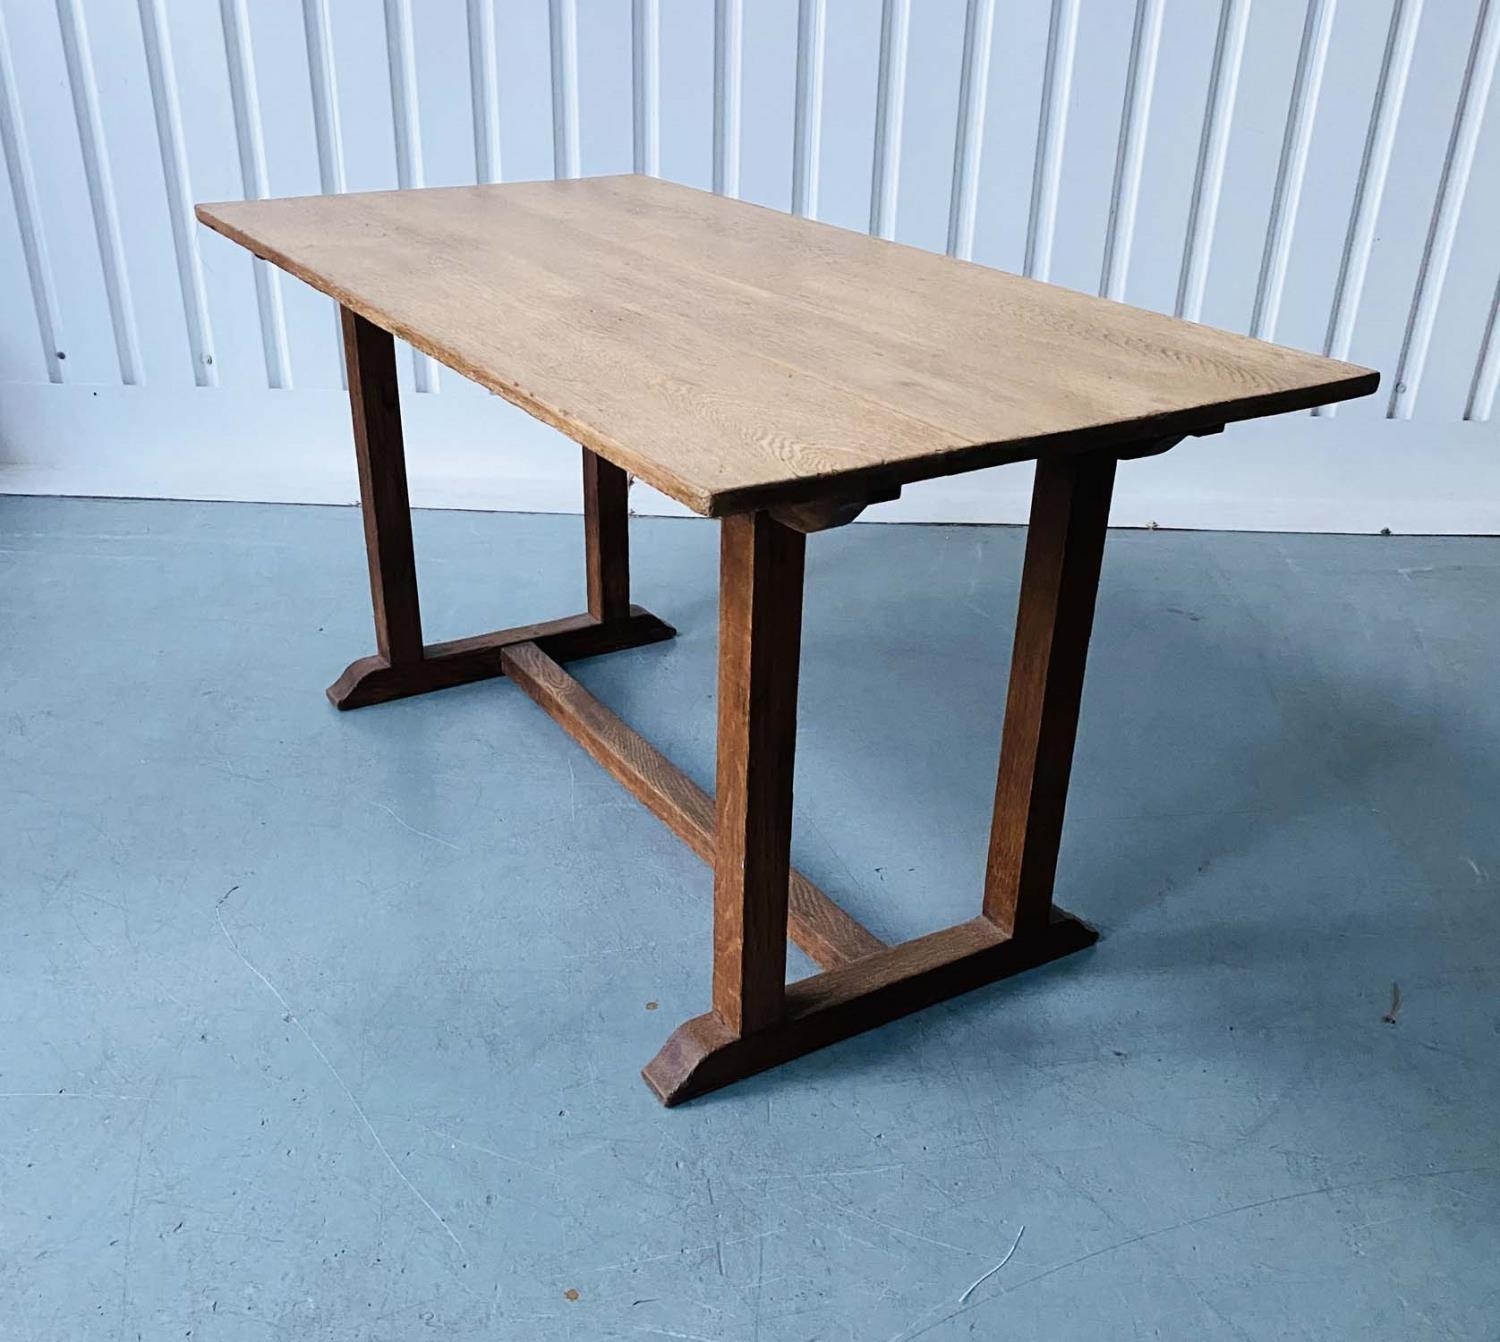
778,375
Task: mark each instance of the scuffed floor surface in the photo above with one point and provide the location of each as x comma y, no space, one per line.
325,1026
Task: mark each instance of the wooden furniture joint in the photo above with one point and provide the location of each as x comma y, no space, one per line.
778,375
825,514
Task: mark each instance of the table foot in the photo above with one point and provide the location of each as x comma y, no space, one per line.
704,1053
374,680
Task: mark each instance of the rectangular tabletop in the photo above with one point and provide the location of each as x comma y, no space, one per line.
735,357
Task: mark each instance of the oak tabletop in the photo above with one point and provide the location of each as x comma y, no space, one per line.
735,357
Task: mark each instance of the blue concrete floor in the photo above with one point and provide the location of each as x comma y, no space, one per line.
326,1026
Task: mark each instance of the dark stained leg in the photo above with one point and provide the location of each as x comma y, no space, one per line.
606,532
760,640
1019,928
1064,549
370,356
402,666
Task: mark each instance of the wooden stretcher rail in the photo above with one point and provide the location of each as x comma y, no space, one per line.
374,680
704,1053
828,935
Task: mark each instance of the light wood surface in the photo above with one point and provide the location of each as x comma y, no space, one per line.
735,357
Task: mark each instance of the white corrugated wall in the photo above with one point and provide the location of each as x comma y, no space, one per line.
1321,172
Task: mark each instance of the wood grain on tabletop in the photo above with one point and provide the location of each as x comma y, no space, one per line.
735,357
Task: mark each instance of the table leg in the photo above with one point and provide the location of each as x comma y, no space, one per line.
370,356
1060,579
760,641
606,537
402,665
1019,927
